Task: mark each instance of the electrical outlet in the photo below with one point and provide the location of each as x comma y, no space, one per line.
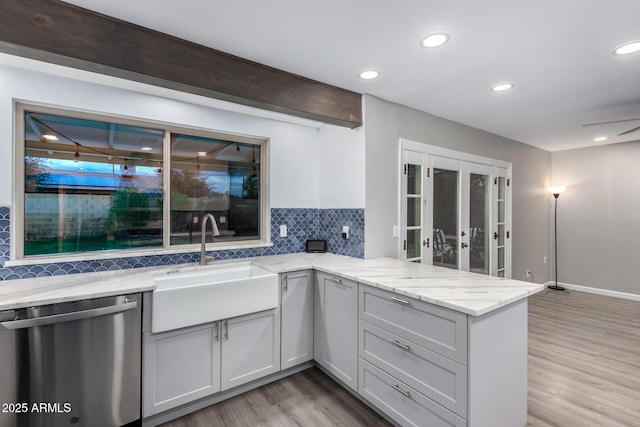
528,273
545,259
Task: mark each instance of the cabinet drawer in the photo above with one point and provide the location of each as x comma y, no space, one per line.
435,376
438,329
400,402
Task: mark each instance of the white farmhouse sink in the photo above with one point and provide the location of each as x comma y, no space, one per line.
186,298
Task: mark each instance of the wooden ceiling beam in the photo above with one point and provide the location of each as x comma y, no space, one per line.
60,33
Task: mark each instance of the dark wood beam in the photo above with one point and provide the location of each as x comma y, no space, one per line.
56,32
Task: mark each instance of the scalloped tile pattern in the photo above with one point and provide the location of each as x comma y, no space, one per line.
331,222
302,224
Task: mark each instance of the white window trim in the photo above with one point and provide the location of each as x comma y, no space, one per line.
17,209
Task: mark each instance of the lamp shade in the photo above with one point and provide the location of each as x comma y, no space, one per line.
556,190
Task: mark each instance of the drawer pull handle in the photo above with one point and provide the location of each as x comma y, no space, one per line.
338,281
402,346
401,301
399,390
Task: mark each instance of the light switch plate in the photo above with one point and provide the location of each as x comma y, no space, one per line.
283,230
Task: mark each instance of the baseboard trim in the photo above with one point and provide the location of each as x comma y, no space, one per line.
598,291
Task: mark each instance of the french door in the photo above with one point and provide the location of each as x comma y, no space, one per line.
455,210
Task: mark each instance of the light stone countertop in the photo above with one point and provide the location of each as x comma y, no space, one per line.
469,293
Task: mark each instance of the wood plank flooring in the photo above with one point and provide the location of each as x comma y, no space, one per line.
584,360
584,370
307,399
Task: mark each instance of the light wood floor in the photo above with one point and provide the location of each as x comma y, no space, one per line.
584,370
584,360
307,399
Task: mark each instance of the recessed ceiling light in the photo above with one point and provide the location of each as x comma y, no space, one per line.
627,48
434,40
369,74
146,149
202,153
50,137
501,87
600,138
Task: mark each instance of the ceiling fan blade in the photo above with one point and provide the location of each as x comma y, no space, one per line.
629,131
613,121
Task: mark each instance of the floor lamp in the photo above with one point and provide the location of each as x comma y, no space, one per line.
556,191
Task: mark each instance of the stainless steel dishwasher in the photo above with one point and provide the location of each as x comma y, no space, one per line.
71,364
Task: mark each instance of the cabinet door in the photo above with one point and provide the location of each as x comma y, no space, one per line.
250,347
297,318
180,366
338,343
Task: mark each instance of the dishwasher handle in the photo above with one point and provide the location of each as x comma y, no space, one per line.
67,317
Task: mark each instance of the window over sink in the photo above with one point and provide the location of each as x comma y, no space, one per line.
87,183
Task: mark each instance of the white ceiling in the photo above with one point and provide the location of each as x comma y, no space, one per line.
557,52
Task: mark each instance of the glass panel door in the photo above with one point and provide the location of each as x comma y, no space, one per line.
412,212
446,212
479,180
501,228
455,210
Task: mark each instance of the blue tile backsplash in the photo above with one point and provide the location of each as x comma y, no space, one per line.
302,224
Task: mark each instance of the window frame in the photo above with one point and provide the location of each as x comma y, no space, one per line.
18,190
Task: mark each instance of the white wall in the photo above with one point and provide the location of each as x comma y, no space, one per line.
599,216
341,165
294,159
386,122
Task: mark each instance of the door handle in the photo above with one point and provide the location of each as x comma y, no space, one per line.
285,280
425,242
336,281
67,317
495,235
226,330
398,389
401,301
402,346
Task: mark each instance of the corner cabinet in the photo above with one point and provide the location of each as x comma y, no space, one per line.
296,290
186,364
336,327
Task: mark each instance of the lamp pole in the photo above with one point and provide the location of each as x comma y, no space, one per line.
556,193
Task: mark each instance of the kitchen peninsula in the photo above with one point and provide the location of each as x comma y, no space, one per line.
419,343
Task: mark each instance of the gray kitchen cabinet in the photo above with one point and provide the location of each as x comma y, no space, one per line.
186,364
250,347
436,328
336,327
435,376
296,318
413,359
180,366
401,402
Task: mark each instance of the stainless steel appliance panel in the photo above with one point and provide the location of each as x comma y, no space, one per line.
71,364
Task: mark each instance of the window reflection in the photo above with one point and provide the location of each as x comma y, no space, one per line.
90,185
214,176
